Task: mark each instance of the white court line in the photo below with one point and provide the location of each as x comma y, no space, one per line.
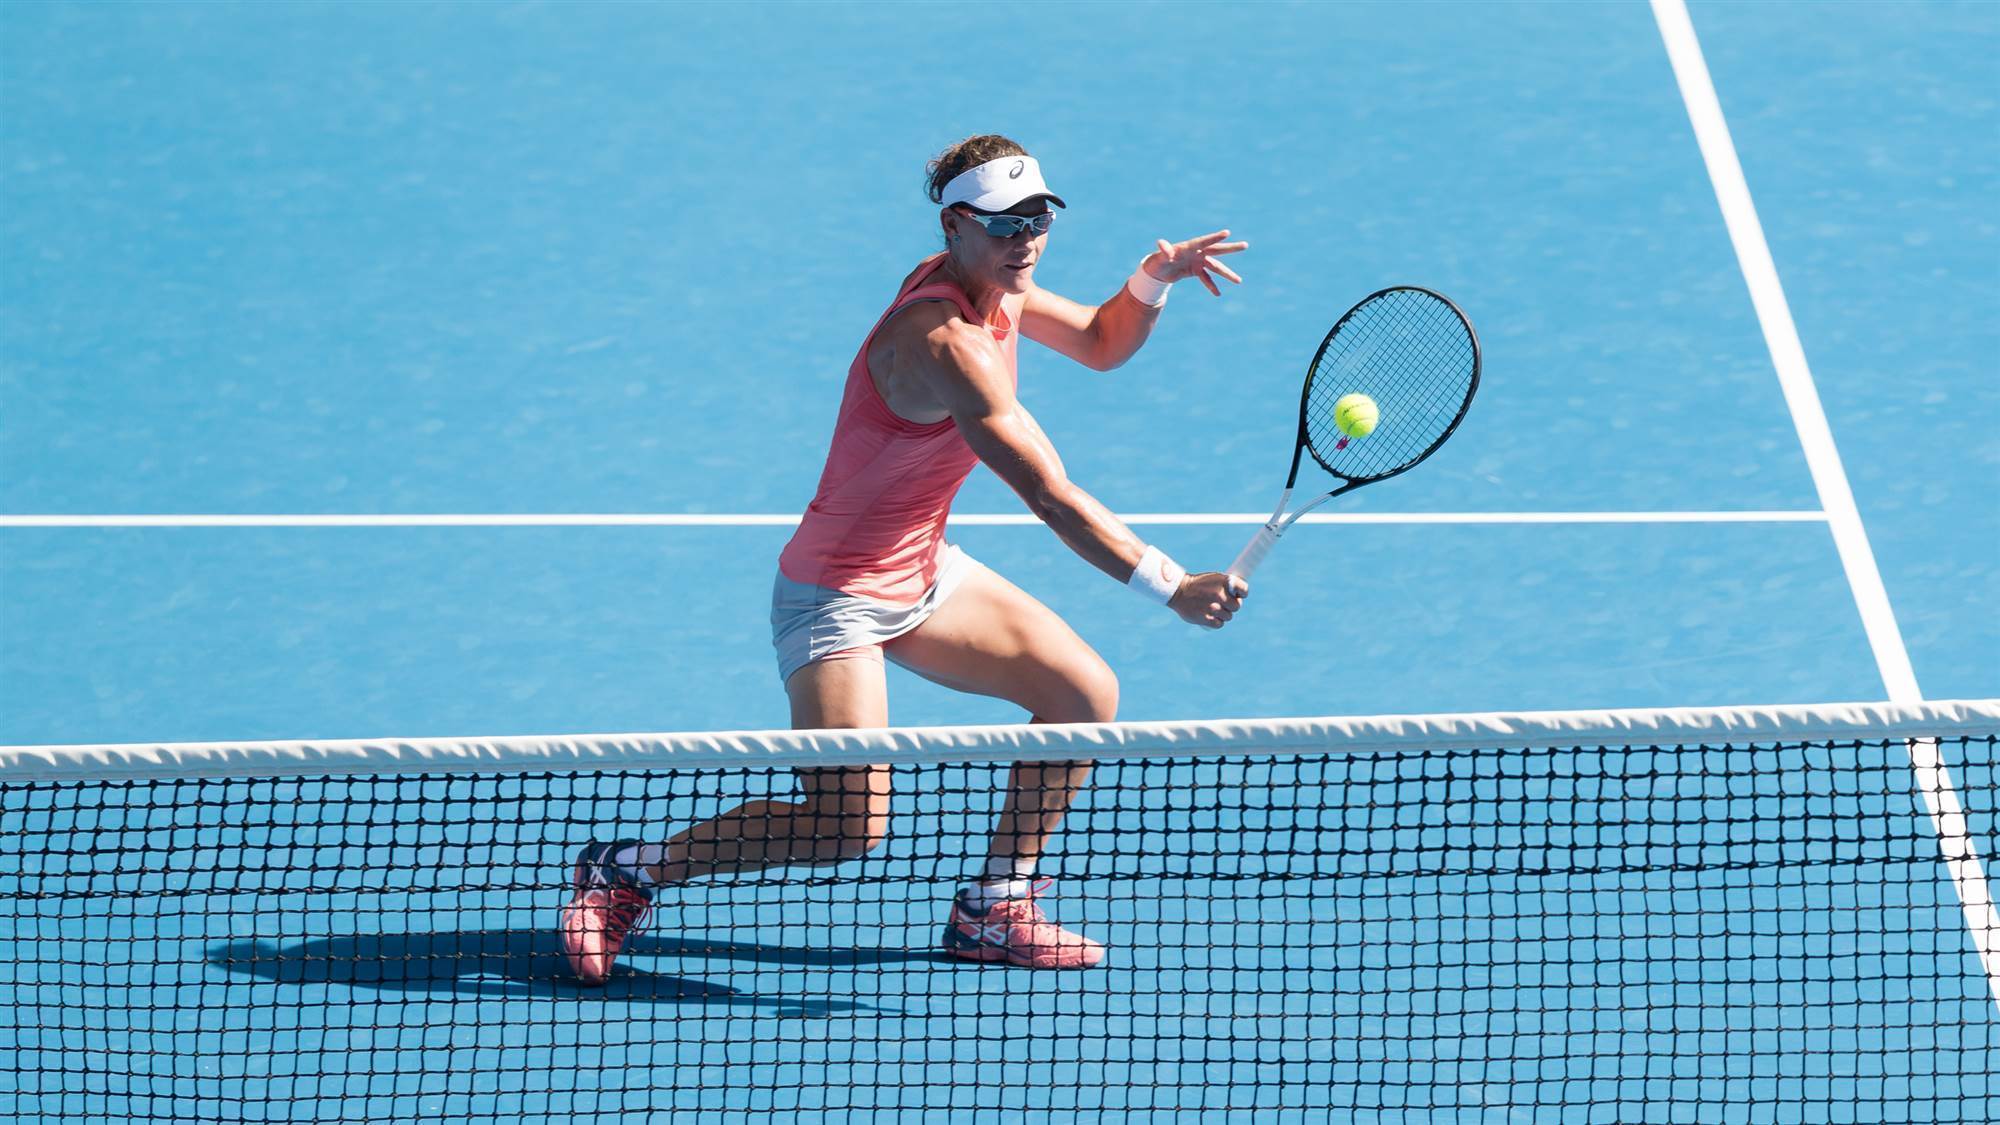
969,519
1753,254
1850,538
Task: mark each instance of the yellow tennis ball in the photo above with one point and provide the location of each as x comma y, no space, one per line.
1356,415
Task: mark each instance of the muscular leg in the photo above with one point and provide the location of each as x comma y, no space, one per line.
989,638
841,813
992,638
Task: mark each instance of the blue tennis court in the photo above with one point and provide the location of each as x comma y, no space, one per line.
424,370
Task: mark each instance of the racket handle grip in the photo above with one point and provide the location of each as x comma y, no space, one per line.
1254,552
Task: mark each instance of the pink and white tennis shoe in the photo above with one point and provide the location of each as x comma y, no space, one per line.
606,908
1016,931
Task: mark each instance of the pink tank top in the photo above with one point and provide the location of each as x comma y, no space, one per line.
877,525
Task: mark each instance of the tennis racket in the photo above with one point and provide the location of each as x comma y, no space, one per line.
1411,351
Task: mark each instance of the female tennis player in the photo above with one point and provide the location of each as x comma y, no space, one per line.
869,574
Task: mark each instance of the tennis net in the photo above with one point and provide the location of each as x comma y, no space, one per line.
1741,914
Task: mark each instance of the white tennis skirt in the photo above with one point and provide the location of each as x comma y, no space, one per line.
811,623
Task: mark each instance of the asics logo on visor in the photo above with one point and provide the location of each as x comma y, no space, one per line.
1020,166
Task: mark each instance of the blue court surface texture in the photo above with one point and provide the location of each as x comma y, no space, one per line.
384,267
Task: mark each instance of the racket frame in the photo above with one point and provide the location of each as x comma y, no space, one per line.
1267,535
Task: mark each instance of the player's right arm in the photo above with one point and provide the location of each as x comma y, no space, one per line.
962,370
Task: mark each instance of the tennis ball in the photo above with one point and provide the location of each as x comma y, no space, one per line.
1356,415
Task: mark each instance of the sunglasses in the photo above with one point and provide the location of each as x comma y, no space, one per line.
1007,226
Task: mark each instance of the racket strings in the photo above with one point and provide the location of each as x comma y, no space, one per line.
1411,352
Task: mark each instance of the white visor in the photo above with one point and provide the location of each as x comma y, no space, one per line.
999,184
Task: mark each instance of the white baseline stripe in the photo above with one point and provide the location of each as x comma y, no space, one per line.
969,519
1850,537
1788,355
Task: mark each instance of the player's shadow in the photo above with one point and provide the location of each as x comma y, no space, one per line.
519,964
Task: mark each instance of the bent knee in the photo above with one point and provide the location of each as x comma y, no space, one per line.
1087,693
851,837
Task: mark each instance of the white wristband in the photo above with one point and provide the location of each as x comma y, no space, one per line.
1157,577
1147,289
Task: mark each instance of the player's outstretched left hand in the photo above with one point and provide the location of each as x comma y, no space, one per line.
1197,257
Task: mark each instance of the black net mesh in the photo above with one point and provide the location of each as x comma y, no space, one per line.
1650,933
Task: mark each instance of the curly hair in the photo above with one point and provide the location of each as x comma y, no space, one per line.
968,153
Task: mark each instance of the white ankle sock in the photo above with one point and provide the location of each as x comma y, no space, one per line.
639,860
1003,878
